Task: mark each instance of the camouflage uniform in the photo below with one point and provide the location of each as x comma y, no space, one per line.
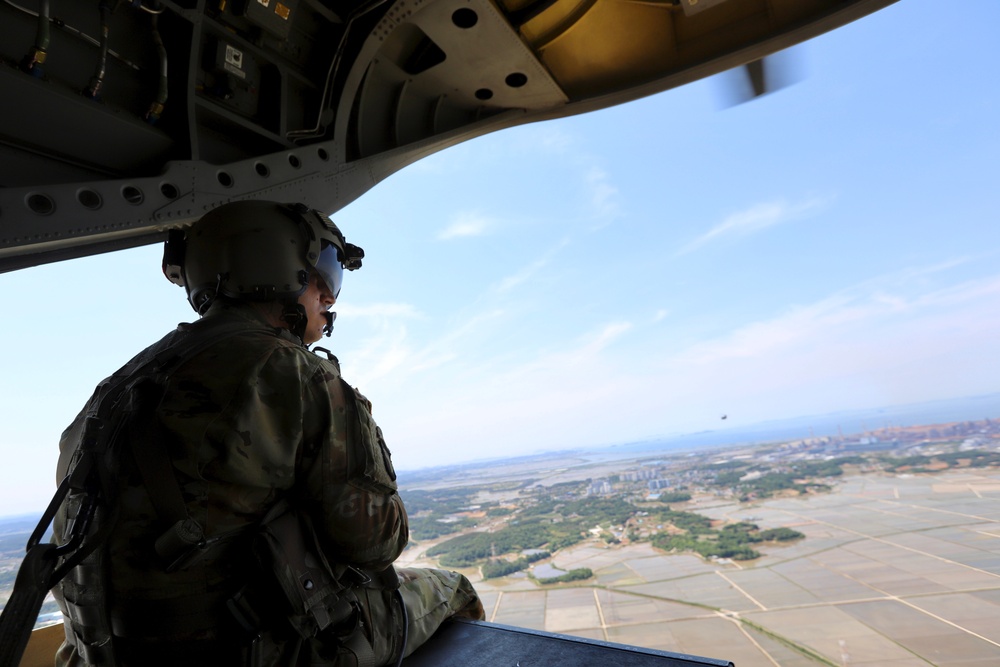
253,419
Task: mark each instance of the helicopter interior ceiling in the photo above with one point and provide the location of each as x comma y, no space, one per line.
125,118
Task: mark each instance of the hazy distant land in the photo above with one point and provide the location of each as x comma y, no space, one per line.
854,423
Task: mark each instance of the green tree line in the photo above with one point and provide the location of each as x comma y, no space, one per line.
732,541
572,575
501,568
549,523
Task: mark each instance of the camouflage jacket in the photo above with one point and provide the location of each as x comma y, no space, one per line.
252,419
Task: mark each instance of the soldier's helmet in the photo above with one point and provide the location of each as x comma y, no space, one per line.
257,251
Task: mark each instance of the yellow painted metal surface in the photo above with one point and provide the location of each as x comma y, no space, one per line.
42,647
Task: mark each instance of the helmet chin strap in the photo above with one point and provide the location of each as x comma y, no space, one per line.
294,315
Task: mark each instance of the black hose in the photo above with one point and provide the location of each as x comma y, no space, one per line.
42,35
35,58
93,89
62,25
156,108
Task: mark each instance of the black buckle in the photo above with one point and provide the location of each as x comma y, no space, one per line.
244,615
363,578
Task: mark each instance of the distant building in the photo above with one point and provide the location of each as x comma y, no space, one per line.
638,475
601,488
972,443
868,445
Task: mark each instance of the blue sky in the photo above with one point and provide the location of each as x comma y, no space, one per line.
630,273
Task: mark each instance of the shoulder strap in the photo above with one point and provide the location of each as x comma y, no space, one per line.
21,610
157,472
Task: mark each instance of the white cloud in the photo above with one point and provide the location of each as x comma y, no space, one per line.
550,138
385,348
603,194
556,367
971,290
913,275
504,405
379,310
390,353
522,276
525,273
858,309
469,325
385,354
760,338
609,334
466,224
755,219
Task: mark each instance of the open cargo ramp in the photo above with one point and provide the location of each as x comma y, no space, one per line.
462,643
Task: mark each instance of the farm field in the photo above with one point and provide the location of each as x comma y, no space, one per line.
896,570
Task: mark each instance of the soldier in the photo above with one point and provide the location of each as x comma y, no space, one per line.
251,513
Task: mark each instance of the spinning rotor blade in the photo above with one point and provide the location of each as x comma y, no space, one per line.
758,78
757,74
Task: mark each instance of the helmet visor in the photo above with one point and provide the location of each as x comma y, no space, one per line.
330,269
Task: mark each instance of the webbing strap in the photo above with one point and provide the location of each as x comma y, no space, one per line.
30,588
358,644
404,621
153,460
174,547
